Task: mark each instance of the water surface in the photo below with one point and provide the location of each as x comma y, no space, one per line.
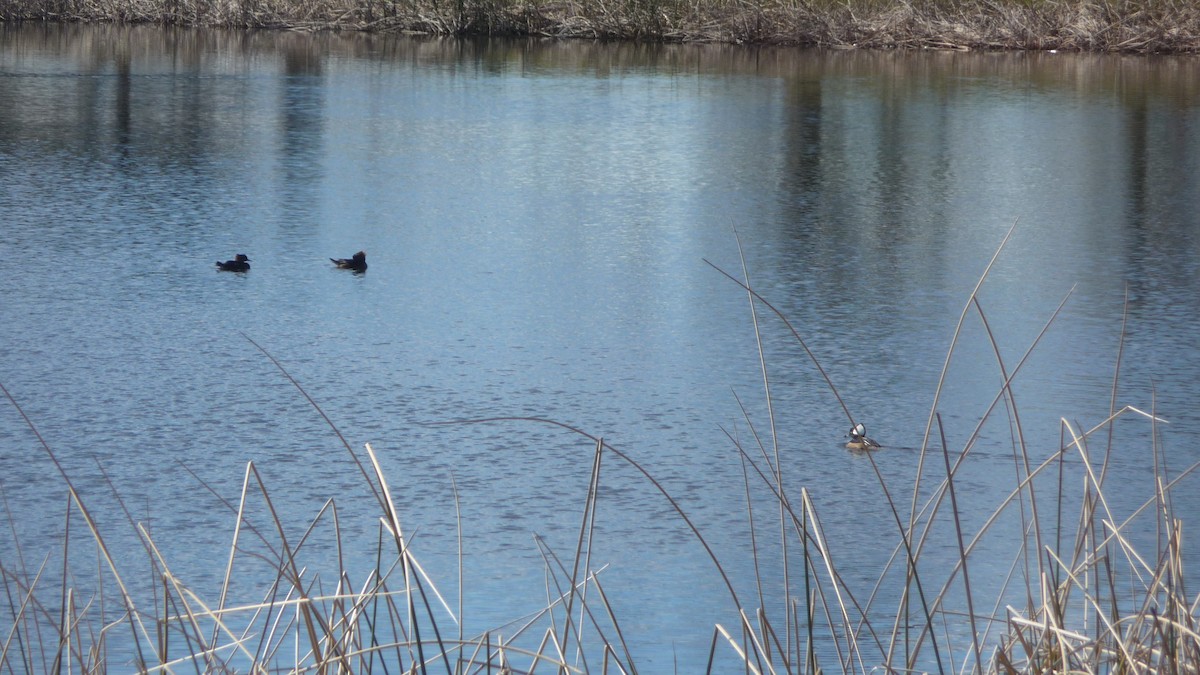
539,220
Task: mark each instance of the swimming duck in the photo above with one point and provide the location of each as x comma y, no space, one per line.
240,263
357,263
859,440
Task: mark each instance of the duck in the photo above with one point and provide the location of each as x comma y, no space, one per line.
859,440
240,263
357,262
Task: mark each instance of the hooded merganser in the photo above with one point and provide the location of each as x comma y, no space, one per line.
240,263
859,440
357,263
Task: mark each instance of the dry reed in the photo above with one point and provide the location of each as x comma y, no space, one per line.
1076,617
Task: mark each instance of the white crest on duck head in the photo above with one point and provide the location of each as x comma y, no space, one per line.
858,430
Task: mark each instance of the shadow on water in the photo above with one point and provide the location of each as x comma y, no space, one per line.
301,128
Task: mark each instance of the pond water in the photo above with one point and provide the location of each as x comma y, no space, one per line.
544,223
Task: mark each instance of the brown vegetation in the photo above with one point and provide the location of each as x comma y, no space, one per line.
1142,26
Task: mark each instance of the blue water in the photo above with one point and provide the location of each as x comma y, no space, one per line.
539,220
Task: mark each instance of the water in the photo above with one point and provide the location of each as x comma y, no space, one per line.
537,218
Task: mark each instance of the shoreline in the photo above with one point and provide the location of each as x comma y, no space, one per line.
1150,27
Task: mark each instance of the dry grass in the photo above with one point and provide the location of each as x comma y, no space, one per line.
1141,26
309,618
1090,603
1078,614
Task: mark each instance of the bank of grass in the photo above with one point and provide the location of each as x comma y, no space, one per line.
1089,600
1141,26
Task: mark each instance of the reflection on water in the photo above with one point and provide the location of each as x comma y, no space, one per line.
537,215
